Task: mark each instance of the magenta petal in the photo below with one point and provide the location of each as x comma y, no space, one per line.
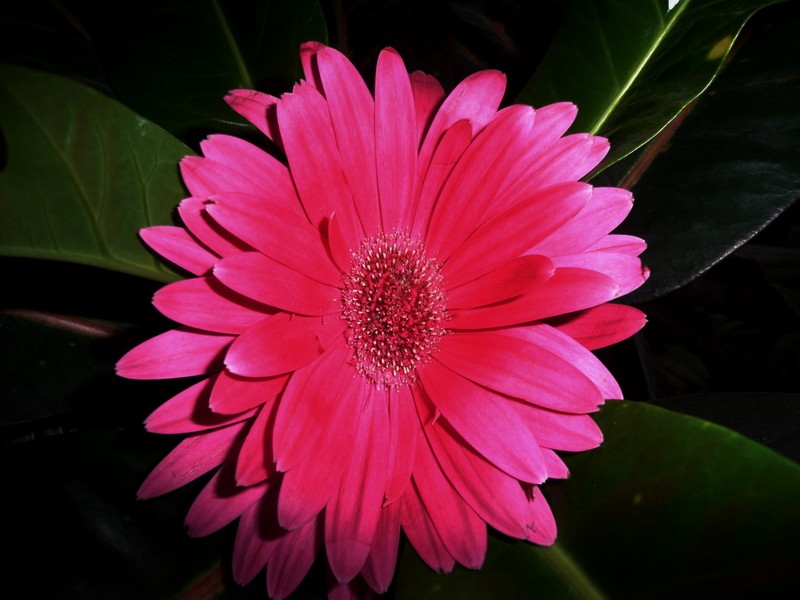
194,217
601,326
233,394
255,462
176,353
519,369
256,537
190,459
403,430
544,524
568,290
420,531
203,303
291,559
508,281
462,531
205,177
188,412
308,58
560,431
276,284
395,140
625,269
259,109
220,502
428,94
486,421
351,517
379,568
276,345
556,469
177,246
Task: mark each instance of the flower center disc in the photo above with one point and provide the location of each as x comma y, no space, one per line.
394,306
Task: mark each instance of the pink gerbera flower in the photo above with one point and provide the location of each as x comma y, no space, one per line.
394,326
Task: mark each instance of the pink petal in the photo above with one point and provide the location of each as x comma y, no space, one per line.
259,109
462,531
519,227
277,345
194,217
560,431
352,114
176,353
280,232
497,498
316,165
314,434
308,58
351,517
379,568
623,244
233,394
601,326
220,502
255,537
519,369
255,462
453,143
626,270
568,290
403,428
421,533
395,140
428,95
486,421
203,303
571,351
476,99
266,280
340,247
544,524
188,412
190,459
292,558
177,246
205,177
556,469
512,279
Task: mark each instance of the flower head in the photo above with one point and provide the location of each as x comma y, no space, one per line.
394,325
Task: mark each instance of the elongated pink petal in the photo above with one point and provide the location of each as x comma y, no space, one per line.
512,279
568,290
574,353
292,558
176,353
220,502
308,58
544,524
177,246
380,565
276,285
276,345
352,114
601,326
259,109
205,177
622,244
203,303
478,415
519,227
294,243
626,270
351,517
403,430
193,457
256,462
256,537
233,394
448,151
188,412
220,242
560,431
395,140
462,532
428,95
556,469
496,497
420,531
519,369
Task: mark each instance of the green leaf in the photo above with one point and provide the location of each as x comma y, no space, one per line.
174,63
732,166
83,174
631,67
669,506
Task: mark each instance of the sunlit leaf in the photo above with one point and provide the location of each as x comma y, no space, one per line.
82,175
632,66
669,506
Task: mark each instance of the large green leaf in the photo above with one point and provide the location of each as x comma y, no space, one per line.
732,166
632,66
82,175
174,63
669,506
